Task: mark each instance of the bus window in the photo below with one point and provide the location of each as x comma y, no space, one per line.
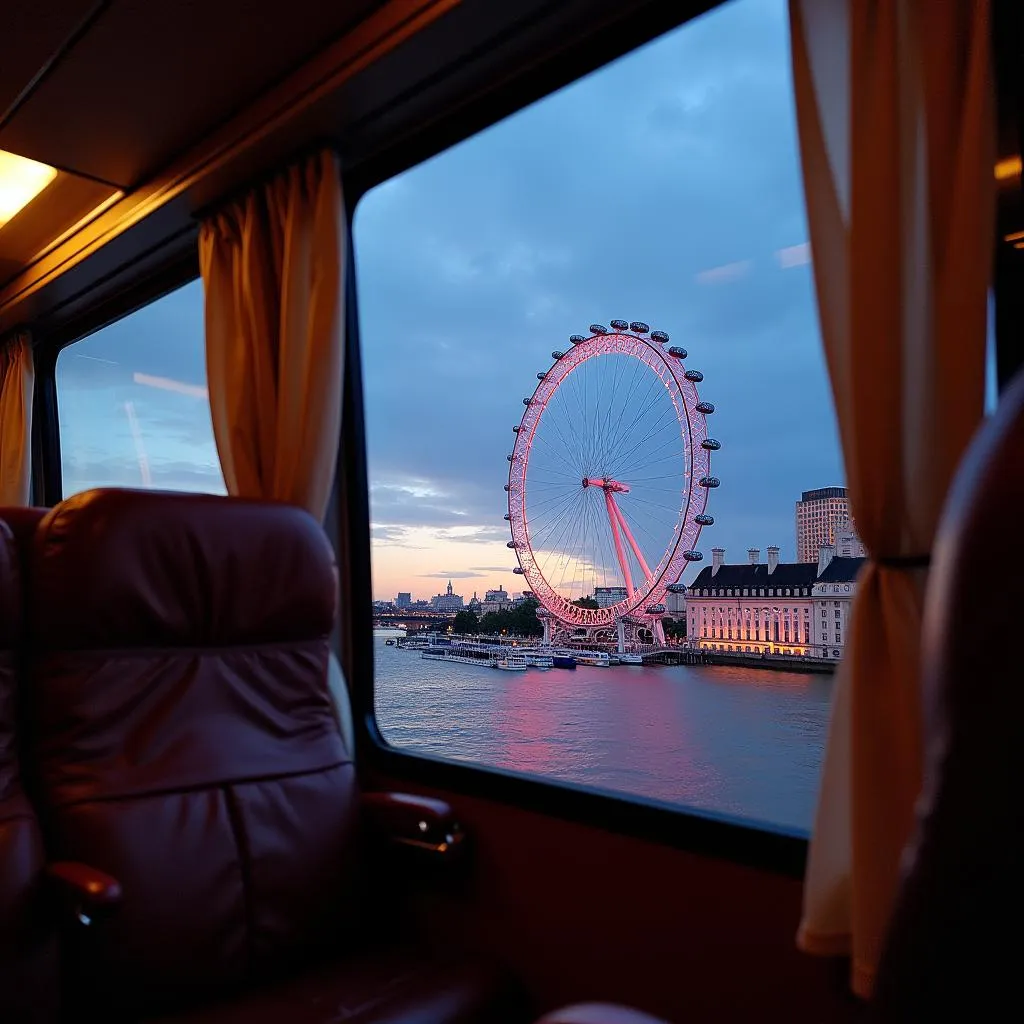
577,326
132,402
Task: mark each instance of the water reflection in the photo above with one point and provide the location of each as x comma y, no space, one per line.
744,742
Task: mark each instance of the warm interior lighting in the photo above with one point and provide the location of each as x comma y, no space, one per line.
21,180
1017,236
1008,168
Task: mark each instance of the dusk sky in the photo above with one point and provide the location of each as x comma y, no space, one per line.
664,187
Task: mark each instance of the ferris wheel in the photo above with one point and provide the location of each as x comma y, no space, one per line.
608,484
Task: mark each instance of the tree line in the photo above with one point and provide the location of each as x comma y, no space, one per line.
522,620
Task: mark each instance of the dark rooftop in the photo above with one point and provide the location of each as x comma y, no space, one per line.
787,574
841,570
823,492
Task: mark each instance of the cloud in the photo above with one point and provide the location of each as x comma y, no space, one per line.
665,187
119,472
452,574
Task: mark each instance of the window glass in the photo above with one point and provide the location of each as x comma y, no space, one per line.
663,191
133,405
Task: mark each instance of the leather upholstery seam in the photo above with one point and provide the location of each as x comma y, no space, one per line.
244,867
199,787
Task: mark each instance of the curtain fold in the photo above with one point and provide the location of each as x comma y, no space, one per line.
895,112
273,268
17,382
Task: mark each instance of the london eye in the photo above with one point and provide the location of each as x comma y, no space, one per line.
608,484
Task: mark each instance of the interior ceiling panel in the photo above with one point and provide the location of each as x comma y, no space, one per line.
58,208
31,33
147,80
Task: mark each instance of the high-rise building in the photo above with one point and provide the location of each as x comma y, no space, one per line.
823,518
607,596
404,600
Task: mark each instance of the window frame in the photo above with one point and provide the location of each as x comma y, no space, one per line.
763,845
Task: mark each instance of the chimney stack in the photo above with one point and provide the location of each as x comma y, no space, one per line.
825,555
773,558
753,555
717,559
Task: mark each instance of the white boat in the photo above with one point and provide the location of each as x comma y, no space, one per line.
511,663
535,659
462,654
631,659
599,659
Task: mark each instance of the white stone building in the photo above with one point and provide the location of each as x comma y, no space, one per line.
495,601
447,602
773,607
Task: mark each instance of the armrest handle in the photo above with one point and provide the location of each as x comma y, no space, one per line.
417,822
88,890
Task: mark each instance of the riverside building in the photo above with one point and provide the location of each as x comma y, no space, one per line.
799,609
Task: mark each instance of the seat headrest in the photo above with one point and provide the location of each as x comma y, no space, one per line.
115,568
23,520
944,955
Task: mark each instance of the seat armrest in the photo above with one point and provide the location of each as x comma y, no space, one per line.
86,890
416,823
598,1013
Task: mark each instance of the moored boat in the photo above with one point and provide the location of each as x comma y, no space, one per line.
596,659
511,663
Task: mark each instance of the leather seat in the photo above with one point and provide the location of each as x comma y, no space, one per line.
27,949
186,745
952,952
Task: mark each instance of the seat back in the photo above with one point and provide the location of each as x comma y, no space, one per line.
185,739
27,949
951,952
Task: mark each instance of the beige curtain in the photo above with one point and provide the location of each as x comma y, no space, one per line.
894,105
273,266
17,379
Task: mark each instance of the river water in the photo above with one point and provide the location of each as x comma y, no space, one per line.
743,742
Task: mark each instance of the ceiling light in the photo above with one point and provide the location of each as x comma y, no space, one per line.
21,180
1008,168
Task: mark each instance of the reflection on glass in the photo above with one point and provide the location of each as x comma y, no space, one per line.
133,405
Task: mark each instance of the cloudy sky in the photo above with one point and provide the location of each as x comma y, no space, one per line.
664,187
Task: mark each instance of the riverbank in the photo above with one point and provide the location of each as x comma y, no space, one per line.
772,662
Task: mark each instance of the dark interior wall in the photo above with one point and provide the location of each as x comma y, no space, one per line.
581,913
